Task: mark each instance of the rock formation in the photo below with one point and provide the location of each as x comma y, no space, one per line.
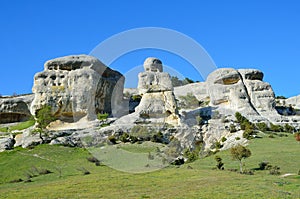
77,86
155,87
260,93
15,109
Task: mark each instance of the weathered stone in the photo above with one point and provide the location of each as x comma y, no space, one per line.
150,82
261,93
15,109
7,143
251,74
78,86
226,88
158,100
153,64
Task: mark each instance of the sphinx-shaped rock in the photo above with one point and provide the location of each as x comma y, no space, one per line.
155,86
77,86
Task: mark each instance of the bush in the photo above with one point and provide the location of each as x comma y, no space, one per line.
218,145
232,128
190,155
276,128
274,170
125,138
262,126
288,128
112,139
263,165
136,98
223,139
220,164
102,116
158,137
189,101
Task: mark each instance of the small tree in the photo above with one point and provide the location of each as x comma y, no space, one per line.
44,117
239,153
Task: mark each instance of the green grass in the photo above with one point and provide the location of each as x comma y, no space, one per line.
20,126
171,182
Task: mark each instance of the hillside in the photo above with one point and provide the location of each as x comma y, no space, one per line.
194,180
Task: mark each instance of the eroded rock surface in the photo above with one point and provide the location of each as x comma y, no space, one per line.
15,109
77,86
158,100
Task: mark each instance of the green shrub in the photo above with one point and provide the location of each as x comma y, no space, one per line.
189,101
276,128
232,128
237,138
223,139
263,165
142,132
191,155
125,138
136,98
102,116
112,139
158,137
220,164
288,128
218,145
274,170
262,126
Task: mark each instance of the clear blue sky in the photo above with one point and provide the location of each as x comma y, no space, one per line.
239,34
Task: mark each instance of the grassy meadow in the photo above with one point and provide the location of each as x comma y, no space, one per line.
68,167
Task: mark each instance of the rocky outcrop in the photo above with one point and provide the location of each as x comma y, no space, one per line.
158,100
260,93
227,89
78,86
293,101
15,109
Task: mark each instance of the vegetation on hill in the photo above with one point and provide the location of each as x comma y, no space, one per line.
72,173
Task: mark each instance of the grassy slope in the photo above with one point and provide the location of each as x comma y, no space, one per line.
171,182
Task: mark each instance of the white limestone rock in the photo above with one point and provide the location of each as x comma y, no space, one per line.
78,86
226,88
261,93
15,109
152,64
150,82
158,100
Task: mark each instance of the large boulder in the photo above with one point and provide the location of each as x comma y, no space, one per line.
15,109
77,86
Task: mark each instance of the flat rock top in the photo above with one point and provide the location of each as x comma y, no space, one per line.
74,62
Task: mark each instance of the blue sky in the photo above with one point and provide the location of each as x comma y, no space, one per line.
239,34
